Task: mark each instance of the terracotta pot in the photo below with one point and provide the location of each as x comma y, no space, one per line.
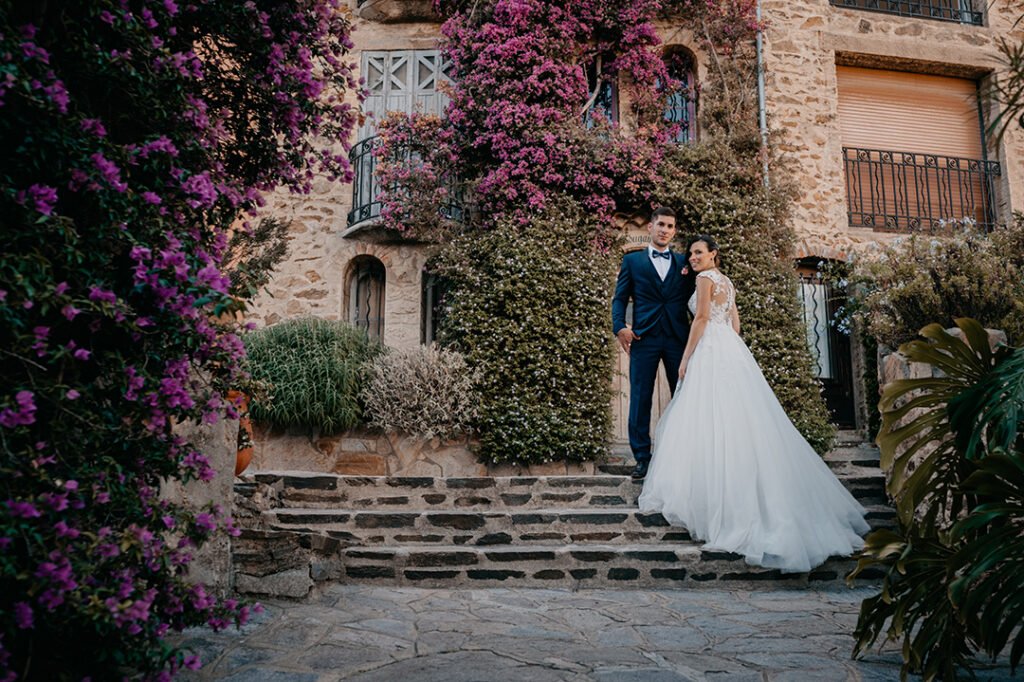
242,459
245,447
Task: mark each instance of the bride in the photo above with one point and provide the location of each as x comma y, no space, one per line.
728,464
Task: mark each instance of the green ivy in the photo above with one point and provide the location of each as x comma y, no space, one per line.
716,191
528,305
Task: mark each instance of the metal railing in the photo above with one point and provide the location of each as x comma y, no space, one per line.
911,192
960,11
366,187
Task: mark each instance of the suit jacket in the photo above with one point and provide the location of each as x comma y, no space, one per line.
654,301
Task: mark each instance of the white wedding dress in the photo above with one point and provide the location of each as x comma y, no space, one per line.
729,465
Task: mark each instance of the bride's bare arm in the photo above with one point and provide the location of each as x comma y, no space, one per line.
735,314
700,321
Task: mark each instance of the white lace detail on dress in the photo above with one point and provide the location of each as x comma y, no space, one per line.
723,297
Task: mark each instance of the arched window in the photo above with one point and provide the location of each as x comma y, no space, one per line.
432,311
681,100
366,280
604,91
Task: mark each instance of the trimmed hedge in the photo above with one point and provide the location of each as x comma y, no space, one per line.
528,306
714,192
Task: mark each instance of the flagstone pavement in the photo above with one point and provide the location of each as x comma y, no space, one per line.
377,633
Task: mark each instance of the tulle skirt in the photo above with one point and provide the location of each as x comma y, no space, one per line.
730,467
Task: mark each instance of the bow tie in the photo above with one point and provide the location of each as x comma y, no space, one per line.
661,254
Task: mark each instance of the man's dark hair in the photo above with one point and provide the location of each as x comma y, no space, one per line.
662,211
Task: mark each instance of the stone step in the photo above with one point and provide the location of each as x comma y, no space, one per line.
484,528
330,491
866,456
627,565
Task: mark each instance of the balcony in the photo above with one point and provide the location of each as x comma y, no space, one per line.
891,191
958,11
366,188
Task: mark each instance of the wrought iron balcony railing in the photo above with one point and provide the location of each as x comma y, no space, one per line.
960,11
911,192
367,189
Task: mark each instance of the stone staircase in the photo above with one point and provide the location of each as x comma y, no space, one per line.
302,528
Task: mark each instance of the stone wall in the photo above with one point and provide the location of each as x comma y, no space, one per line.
805,40
361,452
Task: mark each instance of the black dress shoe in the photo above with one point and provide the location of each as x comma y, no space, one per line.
639,471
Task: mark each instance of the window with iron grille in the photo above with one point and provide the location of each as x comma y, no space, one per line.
959,11
681,100
914,153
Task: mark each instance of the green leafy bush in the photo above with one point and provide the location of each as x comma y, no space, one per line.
918,280
426,391
953,451
714,191
528,306
314,369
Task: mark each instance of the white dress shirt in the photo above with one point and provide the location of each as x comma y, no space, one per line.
662,265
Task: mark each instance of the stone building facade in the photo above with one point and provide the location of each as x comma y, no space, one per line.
341,266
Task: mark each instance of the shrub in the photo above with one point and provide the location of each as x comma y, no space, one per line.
427,391
919,279
314,370
528,306
127,150
714,192
952,446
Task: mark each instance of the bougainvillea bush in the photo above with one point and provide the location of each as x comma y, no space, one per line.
133,134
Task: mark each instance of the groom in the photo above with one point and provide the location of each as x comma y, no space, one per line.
660,285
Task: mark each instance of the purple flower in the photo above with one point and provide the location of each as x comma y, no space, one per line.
32,51
94,126
60,288
23,615
43,198
69,311
109,170
24,415
65,531
72,394
24,510
152,198
206,522
202,189
102,295
107,550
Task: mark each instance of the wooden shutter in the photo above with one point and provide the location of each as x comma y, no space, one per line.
909,112
402,80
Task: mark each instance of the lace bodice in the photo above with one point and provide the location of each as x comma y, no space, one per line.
723,296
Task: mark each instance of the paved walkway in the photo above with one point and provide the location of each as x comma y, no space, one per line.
373,633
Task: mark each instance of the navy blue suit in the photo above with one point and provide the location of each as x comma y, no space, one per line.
660,320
